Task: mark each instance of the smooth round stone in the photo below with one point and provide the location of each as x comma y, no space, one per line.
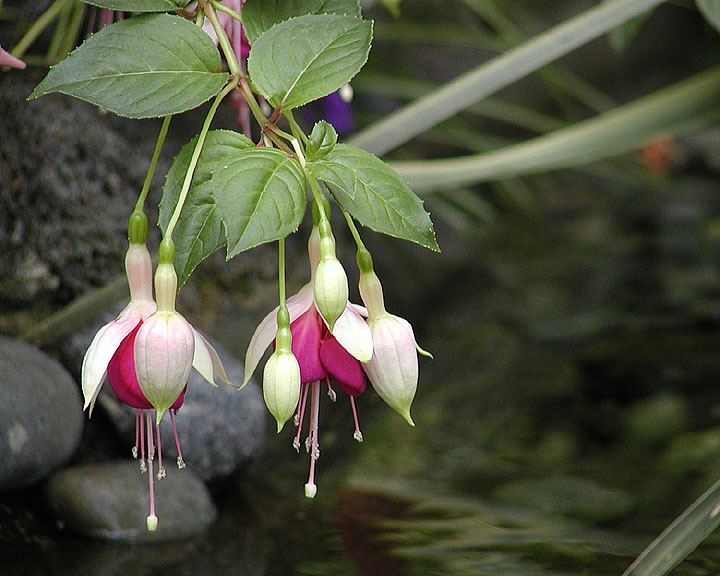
40,414
219,428
568,496
111,501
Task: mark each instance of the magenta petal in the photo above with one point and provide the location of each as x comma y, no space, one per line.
123,379
306,332
342,367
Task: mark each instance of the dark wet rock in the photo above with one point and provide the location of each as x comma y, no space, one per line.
220,428
40,415
571,497
111,501
68,180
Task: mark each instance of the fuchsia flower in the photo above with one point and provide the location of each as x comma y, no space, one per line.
393,368
146,353
322,356
7,59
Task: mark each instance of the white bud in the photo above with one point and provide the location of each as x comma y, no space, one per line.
281,385
330,289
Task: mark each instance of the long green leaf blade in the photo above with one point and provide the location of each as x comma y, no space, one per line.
680,538
145,66
613,133
409,121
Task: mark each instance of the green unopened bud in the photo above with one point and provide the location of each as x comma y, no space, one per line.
330,289
281,385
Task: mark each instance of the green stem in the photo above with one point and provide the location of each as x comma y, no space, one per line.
354,231
38,27
295,127
252,102
153,164
223,40
318,195
76,21
222,8
196,156
613,133
486,79
281,272
63,19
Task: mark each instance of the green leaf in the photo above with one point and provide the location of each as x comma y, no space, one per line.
199,230
322,140
261,15
140,5
374,194
144,66
261,196
305,58
711,10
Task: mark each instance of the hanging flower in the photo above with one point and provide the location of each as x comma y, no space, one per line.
322,356
146,353
393,368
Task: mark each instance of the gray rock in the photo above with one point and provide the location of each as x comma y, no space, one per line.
66,198
111,501
40,415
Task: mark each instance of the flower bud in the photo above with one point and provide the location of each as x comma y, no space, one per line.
330,285
281,385
164,349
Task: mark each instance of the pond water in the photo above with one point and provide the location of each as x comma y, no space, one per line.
570,413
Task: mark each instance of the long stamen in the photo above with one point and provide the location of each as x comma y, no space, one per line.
299,417
180,462
310,487
137,434
141,420
357,435
331,392
151,520
161,468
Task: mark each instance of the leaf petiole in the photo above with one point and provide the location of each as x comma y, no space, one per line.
196,156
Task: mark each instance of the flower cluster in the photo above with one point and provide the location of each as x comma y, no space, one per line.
332,340
147,352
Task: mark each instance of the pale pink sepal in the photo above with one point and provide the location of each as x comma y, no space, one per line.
266,330
7,59
393,369
104,345
353,333
207,361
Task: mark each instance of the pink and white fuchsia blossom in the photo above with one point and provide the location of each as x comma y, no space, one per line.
322,356
393,368
146,353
